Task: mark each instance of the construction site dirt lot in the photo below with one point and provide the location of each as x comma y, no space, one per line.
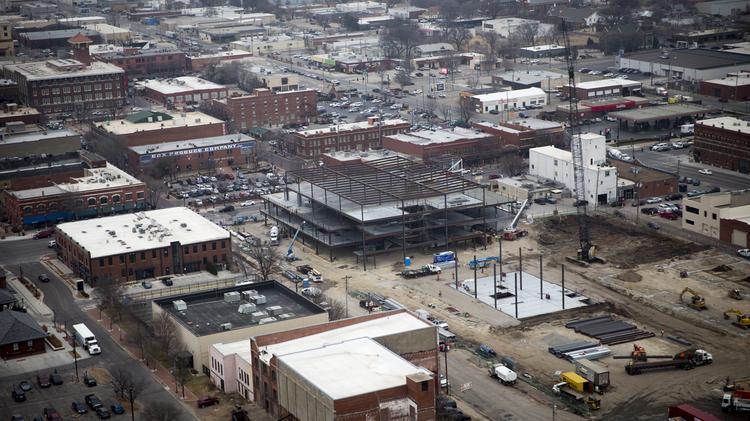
640,283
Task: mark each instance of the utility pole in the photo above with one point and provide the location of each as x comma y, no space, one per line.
447,382
75,357
346,297
130,397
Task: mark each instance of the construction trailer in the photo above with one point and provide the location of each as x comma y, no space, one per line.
378,206
594,372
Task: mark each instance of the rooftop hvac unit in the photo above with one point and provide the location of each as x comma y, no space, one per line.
232,297
266,320
226,326
274,310
249,294
285,316
255,317
247,308
259,299
179,305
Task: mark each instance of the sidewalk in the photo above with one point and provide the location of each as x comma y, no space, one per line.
161,373
36,305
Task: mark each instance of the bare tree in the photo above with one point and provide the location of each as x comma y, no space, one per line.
108,295
465,108
161,411
399,39
165,339
512,163
337,310
445,110
528,33
155,187
458,36
266,259
120,379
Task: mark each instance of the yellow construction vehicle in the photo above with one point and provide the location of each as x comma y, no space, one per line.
742,320
697,302
735,293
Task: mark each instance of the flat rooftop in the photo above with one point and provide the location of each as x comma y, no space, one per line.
21,111
180,145
729,123
141,231
94,179
240,348
393,324
693,59
663,112
41,70
434,137
37,136
511,95
608,83
207,311
223,54
530,299
548,47
182,84
529,76
731,81
634,172
125,126
57,34
351,368
361,125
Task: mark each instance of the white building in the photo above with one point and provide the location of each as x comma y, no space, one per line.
555,164
724,7
688,64
231,367
509,100
507,27
268,44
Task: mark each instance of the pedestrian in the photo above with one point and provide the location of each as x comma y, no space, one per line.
662,332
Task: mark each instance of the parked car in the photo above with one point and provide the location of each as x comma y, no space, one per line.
207,401
79,408
486,351
146,285
649,211
18,394
52,244
102,413
51,414
89,381
55,378
25,385
705,171
43,278
744,253
247,203
167,280
669,215
227,208
653,200
43,381
117,408
673,196
93,401
44,233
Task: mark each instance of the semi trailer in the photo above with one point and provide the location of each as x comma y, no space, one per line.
685,360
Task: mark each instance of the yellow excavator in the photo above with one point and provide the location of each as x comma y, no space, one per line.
743,320
697,302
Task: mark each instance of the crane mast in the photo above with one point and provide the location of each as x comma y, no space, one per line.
576,149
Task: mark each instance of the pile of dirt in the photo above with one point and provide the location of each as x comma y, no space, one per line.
721,268
630,276
622,244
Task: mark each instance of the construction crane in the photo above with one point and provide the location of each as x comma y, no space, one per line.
511,232
696,301
585,252
290,251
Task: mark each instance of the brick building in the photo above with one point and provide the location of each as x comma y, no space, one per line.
77,85
151,62
264,108
735,231
723,142
404,346
12,112
524,134
193,155
346,137
148,127
431,145
69,190
34,142
723,216
183,90
55,38
604,88
142,245
20,335
635,181
734,87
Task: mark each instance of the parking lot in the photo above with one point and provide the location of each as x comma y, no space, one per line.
59,397
233,191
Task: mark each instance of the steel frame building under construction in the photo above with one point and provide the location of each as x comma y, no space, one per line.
383,205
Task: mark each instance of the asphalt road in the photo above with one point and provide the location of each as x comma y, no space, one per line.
58,297
678,162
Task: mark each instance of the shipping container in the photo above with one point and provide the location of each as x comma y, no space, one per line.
576,382
594,372
689,413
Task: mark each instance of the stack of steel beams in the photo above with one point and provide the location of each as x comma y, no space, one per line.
608,330
560,350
